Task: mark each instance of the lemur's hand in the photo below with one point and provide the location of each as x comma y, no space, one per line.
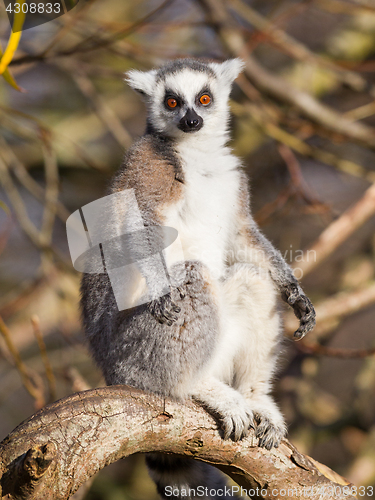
303,309
164,309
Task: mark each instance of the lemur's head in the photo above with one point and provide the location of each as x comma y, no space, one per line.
187,96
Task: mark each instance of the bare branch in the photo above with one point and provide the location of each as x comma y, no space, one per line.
295,48
52,193
51,380
19,208
94,42
25,178
104,112
268,125
278,87
334,352
60,447
339,231
35,392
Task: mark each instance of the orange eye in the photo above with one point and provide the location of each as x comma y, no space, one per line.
171,102
205,99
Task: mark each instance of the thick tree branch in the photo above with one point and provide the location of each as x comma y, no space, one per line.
54,452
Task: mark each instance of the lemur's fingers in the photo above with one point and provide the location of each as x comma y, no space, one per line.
290,294
301,303
305,327
305,312
302,307
164,310
292,299
307,321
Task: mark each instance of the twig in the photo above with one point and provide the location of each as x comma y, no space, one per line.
84,45
18,206
51,381
15,299
361,112
41,128
278,87
51,172
274,131
339,231
106,115
71,21
321,350
78,383
25,178
92,42
294,48
35,393
6,231
338,6
264,213
297,179
23,219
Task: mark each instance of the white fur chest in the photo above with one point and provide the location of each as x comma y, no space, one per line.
205,215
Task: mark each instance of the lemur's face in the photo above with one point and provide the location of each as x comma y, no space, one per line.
187,96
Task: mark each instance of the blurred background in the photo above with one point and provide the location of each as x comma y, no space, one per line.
303,123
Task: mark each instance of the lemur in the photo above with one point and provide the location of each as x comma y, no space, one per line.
214,336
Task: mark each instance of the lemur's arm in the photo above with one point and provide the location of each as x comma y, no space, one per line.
249,243
283,277
153,173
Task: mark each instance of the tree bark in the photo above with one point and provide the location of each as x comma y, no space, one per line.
51,454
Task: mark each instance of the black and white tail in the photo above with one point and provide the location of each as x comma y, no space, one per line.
178,477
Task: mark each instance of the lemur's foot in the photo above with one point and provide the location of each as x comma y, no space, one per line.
164,309
303,309
269,433
236,420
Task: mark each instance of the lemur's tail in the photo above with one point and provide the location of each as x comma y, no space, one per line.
178,477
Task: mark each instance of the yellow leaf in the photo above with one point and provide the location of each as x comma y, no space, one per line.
4,207
8,77
14,40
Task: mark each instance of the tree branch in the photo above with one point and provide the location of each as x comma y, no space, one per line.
51,454
277,87
339,231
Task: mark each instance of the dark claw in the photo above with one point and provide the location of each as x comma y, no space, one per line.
181,291
303,309
269,435
164,310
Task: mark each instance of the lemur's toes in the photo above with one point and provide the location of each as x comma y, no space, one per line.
268,433
236,426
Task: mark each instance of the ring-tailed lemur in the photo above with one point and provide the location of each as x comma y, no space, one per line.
215,336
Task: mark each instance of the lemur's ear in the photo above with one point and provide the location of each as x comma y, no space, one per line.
141,81
228,70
